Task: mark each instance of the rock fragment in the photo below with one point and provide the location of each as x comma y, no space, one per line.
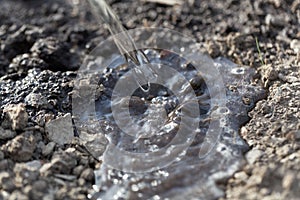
253,155
60,130
48,149
295,45
36,100
38,190
6,181
16,116
6,134
24,62
21,147
61,163
88,174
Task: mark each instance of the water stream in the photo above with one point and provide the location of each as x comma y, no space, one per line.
103,12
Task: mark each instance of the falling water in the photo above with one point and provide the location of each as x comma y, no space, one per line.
126,45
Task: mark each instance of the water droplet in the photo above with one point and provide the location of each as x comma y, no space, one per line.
238,71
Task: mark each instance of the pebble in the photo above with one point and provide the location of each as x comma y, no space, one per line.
253,155
6,165
288,180
36,100
88,174
21,147
241,175
60,130
78,170
18,195
61,163
38,190
295,45
278,20
33,165
16,116
22,63
48,149
6,181
25,174
6,134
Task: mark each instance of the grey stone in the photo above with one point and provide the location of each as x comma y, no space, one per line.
36,100
6,134
6,181
77,170
61,163
60,130
48,149
88,174
18,195
253,155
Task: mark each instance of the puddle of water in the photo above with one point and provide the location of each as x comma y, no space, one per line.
188,177
214,150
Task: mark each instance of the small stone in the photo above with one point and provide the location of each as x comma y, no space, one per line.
21,147
38,190
60,130
24,62
268,74
17,194
6,164
16,116
6,181
288,180
241,175
265,191
278,20
60,164
94,143
33,165
25,174
88,174
295,45
81,182
6,134
36,100
48,149
78,170
253,155
283,151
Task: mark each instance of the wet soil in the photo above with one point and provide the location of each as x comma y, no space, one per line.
44,42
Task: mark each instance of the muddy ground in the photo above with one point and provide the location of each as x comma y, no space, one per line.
43,43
